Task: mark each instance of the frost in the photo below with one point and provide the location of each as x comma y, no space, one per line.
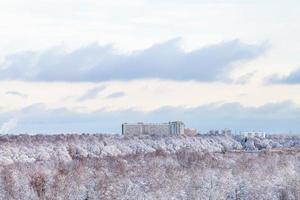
149,167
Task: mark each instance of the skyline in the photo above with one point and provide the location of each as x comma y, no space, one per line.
88,66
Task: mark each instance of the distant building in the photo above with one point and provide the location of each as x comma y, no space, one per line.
170,128
226,132
254,134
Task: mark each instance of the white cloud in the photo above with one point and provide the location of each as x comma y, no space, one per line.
16,93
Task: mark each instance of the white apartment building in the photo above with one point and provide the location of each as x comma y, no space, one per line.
170,128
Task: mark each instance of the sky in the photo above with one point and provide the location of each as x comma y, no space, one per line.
74,66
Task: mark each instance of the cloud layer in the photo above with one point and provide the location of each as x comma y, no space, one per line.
91,94
281,117
96,63
292,78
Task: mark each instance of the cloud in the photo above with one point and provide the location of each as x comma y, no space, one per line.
95,63
91,94
116,95
8,125
16,93
279,118
292,78
245,78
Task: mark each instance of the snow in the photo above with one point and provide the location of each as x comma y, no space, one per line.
149,167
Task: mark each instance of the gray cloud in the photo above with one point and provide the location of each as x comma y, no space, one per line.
245,78
292,78
102,63
116,95
278,118
91,94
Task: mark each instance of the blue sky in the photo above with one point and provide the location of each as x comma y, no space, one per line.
88,66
